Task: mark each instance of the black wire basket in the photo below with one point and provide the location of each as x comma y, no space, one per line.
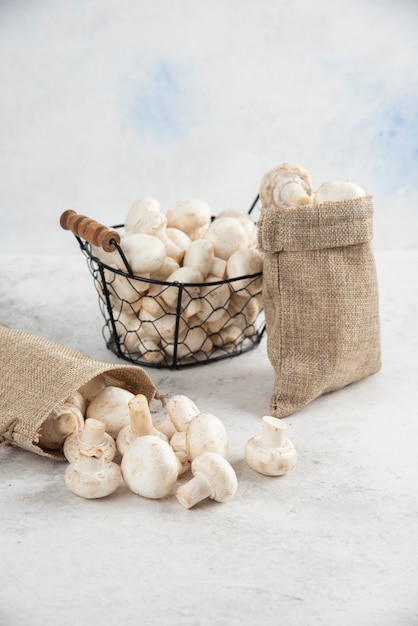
155,323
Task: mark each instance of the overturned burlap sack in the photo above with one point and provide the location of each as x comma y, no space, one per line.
320,298
37,375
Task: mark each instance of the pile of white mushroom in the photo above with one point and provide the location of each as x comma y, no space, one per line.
291,184
109,439
209,258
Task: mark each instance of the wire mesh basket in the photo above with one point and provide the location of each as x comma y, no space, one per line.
162,324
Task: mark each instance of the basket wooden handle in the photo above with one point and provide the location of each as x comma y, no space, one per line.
88,229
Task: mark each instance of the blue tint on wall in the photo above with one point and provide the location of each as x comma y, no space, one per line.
165,100
397,140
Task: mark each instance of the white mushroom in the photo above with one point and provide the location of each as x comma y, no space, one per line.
175,242
149,467
140,423
200,255
113,258
144,253
141,207
246,220
214,326
125,294
78,400
60,423
213,477
93,434
90,476
186,276
227,235
127,326
244,311
218,267
189,215
156,306
336,190
158,327
191,340
286,184
153,223
169,266
271,453
110,406
244,263
181,410
205,433
213,300
151,351
228,336
166,427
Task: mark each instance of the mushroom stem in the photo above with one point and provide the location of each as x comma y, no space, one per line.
213,477
93,433
195,490
141,420
273,432
293,193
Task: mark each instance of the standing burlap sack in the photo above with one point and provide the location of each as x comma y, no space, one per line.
320,298
37,375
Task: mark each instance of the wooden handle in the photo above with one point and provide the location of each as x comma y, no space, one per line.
88,229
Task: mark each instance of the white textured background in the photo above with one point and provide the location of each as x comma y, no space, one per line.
104,102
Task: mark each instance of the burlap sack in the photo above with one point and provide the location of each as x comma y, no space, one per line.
37,375
320,298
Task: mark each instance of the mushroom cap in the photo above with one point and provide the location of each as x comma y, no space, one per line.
200,255
138,209
189,215
110,406
150,467
150,223
227,235
181,410
337,190
244,263
213,300
206,433
93,485
284,173
145,253
219,473
270,461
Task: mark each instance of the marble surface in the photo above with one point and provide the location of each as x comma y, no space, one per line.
331,544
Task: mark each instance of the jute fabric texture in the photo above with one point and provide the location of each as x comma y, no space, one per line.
320,298
37,375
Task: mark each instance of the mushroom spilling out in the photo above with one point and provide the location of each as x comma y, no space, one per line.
154,455
149,467
61,423
140,423
93,434
91,476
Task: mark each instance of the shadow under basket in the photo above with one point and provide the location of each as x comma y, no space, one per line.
164,324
